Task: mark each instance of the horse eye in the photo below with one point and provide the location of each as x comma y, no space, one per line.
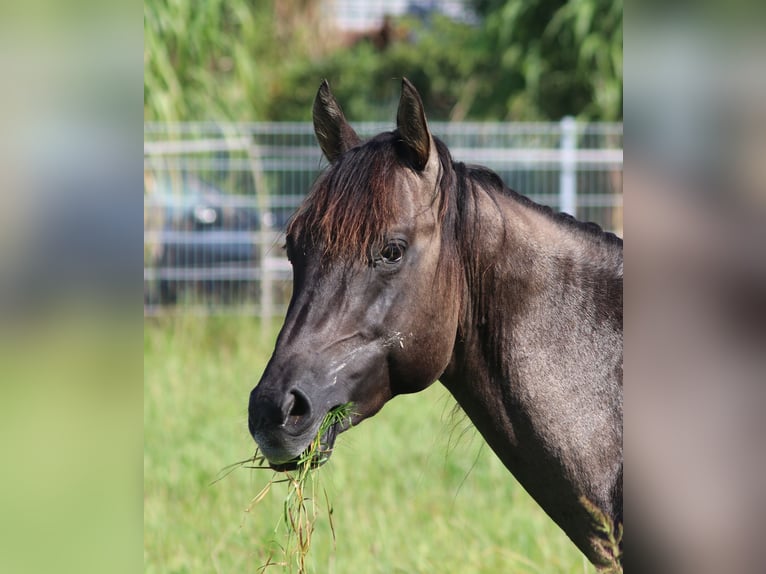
392,252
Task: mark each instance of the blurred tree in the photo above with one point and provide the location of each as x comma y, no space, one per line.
524,60
434,55
260,60
553,57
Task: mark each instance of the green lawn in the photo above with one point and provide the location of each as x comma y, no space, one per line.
413,490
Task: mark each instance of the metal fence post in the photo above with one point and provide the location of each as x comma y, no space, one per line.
264,232
568,174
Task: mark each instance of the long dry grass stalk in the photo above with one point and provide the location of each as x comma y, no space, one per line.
301,506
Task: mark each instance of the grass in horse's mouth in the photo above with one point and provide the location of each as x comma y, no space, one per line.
318,452
300,508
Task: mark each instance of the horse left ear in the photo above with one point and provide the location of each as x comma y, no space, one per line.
411,121
334,133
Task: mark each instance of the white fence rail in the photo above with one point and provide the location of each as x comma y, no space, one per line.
217,197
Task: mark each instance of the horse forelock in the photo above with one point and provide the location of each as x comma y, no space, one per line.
354,202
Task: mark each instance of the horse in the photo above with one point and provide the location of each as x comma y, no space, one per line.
410,267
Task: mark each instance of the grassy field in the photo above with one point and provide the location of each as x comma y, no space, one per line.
413,490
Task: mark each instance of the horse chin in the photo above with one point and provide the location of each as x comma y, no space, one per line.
326,445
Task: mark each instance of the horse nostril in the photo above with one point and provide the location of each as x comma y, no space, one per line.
299,408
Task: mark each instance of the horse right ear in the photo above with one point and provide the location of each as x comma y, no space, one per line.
334,133
412,125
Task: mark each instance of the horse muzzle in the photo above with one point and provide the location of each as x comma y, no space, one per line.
285,424
289,405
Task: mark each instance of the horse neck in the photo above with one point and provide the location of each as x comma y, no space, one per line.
524,268
539,296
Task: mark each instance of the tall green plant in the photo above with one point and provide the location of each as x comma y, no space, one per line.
221,59
594,29
552,58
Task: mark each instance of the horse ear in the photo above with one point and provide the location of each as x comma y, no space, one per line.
334,133
411,121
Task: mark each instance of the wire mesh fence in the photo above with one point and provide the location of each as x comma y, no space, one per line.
217,198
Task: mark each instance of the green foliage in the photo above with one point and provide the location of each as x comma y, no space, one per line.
367,81
593,31
551,58
245,60
220,59
200,57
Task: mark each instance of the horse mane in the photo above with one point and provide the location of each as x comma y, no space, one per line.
349,208
490,181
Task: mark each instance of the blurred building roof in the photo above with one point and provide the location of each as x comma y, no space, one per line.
359,15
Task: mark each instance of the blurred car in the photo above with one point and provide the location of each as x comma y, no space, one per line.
208,239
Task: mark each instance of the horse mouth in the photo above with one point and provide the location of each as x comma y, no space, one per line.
312,456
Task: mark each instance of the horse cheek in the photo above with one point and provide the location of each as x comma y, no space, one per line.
418,361
425,352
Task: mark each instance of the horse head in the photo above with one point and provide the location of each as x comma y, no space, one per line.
373,312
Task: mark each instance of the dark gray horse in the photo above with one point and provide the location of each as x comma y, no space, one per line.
408,268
